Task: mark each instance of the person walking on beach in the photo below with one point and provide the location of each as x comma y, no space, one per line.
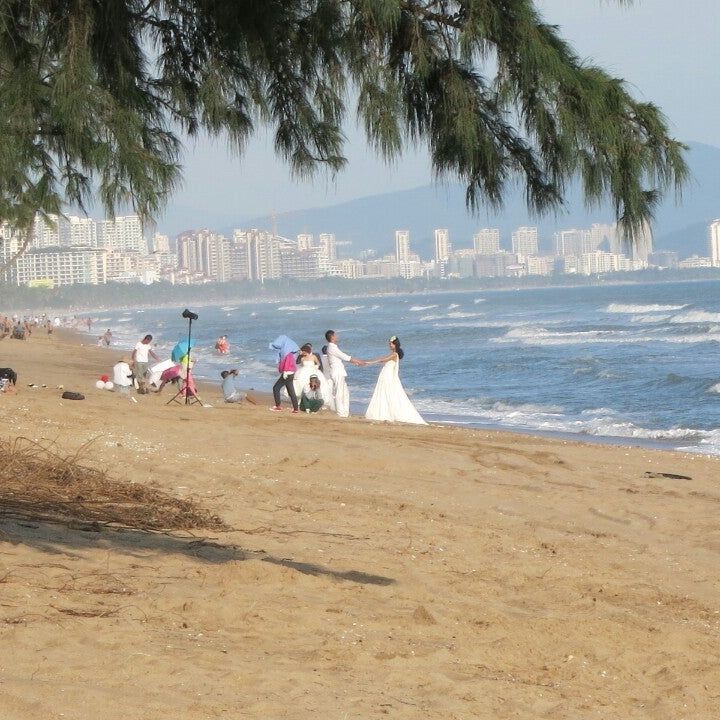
141,359
338,375
286,350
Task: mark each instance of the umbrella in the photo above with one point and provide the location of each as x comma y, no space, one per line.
181,350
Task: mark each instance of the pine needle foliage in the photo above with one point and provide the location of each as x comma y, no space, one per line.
95,95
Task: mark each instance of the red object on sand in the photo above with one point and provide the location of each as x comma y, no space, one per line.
104,378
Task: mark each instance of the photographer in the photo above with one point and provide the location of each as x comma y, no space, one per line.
230,392
312,399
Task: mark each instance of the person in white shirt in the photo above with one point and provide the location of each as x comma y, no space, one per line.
122,376
141,359
338,375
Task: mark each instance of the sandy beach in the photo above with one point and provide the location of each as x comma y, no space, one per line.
366,570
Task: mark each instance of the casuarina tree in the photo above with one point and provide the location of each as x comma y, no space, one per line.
95,96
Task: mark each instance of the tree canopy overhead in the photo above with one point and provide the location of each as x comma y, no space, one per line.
95,95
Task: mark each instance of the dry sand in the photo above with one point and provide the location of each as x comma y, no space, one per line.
372,570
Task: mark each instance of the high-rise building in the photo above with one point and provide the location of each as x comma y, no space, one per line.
123,233
525,241
573,242
714,233
304,241
206,253
46,231
328,245
604,237
402,246
487,241
56,266
81,232
442,245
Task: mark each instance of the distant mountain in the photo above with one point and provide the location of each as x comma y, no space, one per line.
369,223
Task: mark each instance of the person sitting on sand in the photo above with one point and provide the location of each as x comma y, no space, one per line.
122,376
312,400
230,392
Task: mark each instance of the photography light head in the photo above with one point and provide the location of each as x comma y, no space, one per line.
189,315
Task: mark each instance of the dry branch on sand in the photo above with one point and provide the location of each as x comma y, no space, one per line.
39,483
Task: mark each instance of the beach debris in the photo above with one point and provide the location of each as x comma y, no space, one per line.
41,483
70,395
669,476
421,615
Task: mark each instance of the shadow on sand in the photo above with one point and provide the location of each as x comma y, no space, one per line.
74,538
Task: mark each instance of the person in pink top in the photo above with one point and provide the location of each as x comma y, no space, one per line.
286,350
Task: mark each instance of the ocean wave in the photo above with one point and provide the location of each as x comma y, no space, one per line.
714,388
452,306
639,309
462,315
420,308
649,319
696,316
478,300
350,308
538,336
298,308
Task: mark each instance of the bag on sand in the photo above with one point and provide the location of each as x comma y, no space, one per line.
69,395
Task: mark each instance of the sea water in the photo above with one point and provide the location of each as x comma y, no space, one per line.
638,363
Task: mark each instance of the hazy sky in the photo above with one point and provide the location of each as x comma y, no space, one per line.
668,51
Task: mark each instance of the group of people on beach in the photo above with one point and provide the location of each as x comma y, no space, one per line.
312,381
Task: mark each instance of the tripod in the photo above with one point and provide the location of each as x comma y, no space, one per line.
188,390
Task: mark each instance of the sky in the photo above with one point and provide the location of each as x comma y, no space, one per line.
667,51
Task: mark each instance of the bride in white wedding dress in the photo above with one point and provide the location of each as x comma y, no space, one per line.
308,364
389,401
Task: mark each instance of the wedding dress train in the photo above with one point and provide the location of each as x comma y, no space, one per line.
389,401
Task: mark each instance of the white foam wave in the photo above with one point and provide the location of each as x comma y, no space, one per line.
530,335
638,309
461,315
452,306
420,308
298,308
649,319
696,316
478,300
715,388
351,308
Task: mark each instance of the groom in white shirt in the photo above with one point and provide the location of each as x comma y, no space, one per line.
338,375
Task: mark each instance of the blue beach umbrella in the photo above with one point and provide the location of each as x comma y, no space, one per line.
181,350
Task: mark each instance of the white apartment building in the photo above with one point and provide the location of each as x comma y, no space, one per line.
78,231
402,246
161,243
573,242
442,245
714,238
206,253
525,241
46,231
328,245
304,241
604,234
61,266
540,264
487,241
124,233
694,262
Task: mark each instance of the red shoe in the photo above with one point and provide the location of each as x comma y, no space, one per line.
276,408
295,412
